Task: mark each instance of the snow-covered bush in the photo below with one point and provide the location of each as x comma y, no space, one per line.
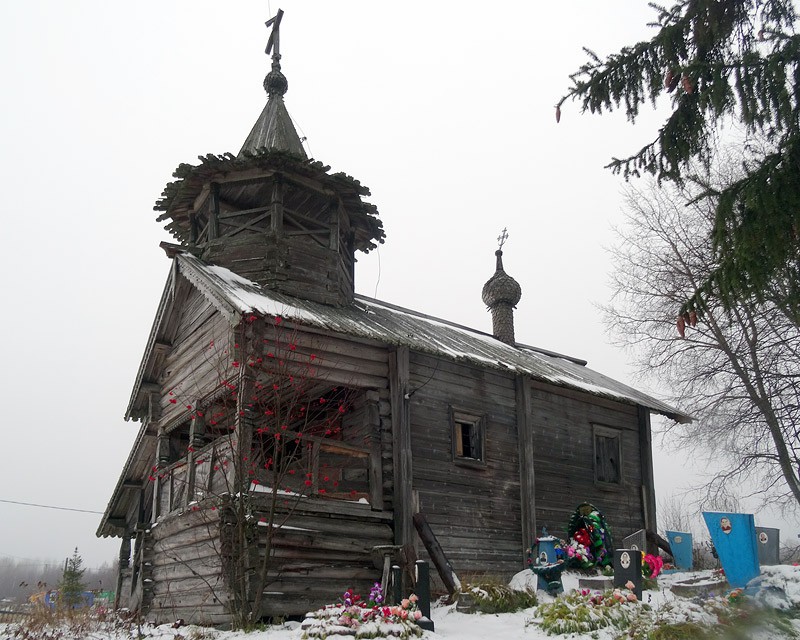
584,611
493,597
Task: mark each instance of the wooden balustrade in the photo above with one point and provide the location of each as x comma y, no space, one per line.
334,468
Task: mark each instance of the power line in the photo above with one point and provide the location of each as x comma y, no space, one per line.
49,506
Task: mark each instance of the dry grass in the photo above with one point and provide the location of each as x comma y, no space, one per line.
42,623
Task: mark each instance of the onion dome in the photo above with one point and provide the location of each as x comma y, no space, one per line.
501,293
501,288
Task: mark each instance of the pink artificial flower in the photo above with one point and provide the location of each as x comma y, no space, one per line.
413,597
417,614
629,585
404,603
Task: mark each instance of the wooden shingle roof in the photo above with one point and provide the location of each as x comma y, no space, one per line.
376,320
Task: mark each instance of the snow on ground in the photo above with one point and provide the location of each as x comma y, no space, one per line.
779,588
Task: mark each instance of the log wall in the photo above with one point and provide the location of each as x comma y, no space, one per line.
193,367
324,548
183,578
298,265
474,511
564,459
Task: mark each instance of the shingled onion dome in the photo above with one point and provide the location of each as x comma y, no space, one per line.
501,293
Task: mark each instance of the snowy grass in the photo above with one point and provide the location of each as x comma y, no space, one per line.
771,614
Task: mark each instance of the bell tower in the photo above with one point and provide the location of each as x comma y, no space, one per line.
271,214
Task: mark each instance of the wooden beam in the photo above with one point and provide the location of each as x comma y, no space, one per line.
401,446
194,230
231,212
435,551
646,460
334,213
213,214
199,201
373,428
527,475
277,208
153,406
162,348
172,249
162,460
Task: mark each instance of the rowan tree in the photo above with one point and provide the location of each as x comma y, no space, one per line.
736,371
720,61
253,450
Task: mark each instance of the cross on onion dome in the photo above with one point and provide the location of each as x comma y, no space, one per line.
274,42
501,239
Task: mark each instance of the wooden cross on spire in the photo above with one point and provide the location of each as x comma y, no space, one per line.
274,42
501,239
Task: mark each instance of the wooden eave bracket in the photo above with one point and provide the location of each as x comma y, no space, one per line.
213,293
172,249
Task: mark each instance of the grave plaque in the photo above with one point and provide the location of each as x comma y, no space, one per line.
681,544
637,540
628,567
769,545
546,549
734,538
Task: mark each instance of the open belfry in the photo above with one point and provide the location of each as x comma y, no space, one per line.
296,438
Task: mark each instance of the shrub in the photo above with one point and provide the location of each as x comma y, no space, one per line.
585,611
494,597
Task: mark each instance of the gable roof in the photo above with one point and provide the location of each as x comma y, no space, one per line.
368,318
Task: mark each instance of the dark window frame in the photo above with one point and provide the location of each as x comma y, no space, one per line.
607,472
468,437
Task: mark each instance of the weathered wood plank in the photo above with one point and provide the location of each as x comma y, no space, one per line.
434,549
401,442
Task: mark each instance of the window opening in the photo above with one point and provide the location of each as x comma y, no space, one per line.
607,455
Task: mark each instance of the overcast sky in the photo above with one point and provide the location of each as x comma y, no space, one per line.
444,109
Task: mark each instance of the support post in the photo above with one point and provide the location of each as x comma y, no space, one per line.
375,460
527,475
277,207
213,213
401,446
648,481
196,430
162,461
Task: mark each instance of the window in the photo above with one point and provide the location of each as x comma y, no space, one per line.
468,434
607,455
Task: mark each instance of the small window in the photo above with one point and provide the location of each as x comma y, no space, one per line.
468,437
607,455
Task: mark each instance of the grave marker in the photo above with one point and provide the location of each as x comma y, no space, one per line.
734,538
769,545
628,567
681,544
637,540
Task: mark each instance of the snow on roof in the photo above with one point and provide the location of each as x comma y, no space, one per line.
373,319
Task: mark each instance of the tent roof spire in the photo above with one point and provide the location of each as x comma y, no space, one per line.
274,129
